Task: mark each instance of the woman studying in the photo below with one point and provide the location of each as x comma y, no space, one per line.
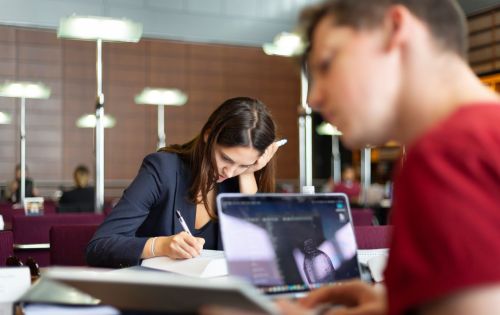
231,154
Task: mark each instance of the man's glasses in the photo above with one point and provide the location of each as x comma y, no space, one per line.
14,261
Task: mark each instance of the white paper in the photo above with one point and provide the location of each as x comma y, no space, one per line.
211,263
377,267
14,282
366,254
376,260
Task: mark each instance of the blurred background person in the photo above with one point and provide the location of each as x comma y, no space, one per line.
348,185
80,198
14,191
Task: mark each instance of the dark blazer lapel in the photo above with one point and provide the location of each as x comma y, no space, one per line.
181,203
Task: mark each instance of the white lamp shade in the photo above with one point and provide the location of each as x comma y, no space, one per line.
89,121
161,96
24,89
326,129
96,27
5,118
285,44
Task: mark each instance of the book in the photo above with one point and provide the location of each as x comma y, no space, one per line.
210,263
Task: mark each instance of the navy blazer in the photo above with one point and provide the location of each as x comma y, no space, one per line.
147,209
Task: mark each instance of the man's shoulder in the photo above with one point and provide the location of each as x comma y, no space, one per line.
470,127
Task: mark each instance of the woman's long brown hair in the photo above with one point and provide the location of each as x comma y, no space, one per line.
240,121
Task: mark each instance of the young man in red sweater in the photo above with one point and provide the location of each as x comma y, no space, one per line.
385,70
397,69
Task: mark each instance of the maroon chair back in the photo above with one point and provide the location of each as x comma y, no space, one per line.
373,237
8,212
49,206
361,216
34,230
6,246
68,243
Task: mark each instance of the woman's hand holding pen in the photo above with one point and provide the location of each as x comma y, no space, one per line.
179,246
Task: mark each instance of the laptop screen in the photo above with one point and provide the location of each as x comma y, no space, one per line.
288,242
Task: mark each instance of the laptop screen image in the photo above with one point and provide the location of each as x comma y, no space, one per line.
288,243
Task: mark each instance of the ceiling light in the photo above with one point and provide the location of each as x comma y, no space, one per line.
96,27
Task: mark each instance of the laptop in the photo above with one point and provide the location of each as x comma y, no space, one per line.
288,244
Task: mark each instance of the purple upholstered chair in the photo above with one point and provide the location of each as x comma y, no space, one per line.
31,233
361,216
49,207
8,212
6,246
68,243
372,237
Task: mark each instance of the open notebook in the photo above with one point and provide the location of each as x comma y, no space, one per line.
211,263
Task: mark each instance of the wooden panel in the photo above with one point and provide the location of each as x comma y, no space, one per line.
8,50
42,53
7,34
37,36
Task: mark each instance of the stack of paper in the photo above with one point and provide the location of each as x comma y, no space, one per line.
14,282
211,263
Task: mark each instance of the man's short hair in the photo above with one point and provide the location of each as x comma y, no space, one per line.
444,18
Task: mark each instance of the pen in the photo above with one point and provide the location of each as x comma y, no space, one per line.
281,142
183,223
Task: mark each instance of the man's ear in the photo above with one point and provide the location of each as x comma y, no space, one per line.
398,23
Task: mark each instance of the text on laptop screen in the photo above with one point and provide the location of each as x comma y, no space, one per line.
287,243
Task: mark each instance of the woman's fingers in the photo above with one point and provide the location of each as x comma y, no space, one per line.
195,242
184,245
267,156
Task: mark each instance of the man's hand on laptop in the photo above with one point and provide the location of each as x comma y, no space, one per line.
350,298
343,298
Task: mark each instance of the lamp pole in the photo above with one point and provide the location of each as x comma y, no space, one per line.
99,29
99,134
23,90
305,136
336,159
365,172
22,134
161,126
161,97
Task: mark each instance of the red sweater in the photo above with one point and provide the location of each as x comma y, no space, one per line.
446,211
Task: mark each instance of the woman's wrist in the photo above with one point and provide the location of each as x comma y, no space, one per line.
248,184
153,247
160,246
